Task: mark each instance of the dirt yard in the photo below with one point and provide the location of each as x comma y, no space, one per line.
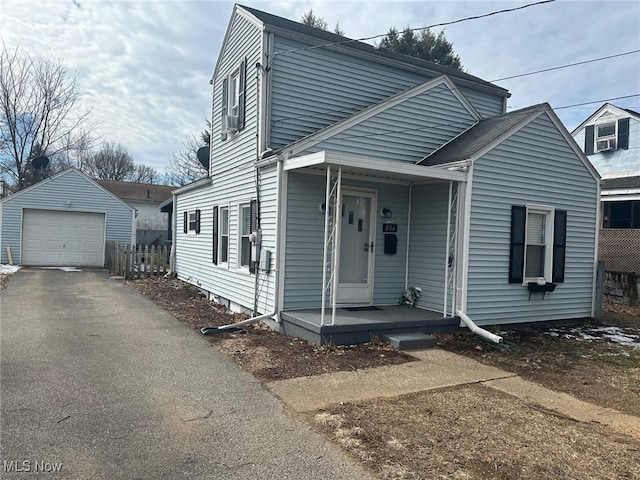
465,432
469,432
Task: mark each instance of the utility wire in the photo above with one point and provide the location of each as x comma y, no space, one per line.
564,66
442,24
352,110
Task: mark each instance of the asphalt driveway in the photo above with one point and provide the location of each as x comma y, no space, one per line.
97,382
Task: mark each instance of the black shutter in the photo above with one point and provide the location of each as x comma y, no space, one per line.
589,135
559,245
225,99
242,88
215,235
185,222
197,221
254,226
516,255
623,133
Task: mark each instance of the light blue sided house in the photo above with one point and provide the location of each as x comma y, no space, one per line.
63,220
341,175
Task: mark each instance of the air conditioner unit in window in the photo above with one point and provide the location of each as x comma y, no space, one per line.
230,123
604,145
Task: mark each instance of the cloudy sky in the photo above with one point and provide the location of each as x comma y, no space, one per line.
144,66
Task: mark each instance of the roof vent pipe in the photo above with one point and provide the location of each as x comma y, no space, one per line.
470,324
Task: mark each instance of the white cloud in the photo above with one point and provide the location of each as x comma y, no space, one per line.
144,67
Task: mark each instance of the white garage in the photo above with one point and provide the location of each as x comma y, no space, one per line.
51,238
64,220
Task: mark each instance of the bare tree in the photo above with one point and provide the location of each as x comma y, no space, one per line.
184,167
111,162
39,114
143,174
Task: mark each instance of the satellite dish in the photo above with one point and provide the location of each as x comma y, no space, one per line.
39,163
203,156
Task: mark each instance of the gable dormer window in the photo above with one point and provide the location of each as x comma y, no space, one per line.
233,99
606,135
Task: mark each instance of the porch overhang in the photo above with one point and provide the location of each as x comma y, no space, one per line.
373,169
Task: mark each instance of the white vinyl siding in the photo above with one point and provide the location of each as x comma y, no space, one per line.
68,191
305,233
519,172
405,132
312,89
194,252
428,245
243,45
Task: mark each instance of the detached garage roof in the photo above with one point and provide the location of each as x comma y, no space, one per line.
63,220
138,191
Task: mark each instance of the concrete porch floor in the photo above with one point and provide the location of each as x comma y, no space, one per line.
360,324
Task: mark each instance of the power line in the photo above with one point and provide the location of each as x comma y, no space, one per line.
565,66
461,123
597,101
559,67
442,24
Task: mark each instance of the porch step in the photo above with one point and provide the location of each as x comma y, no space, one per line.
410,341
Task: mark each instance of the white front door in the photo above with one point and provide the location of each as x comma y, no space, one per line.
357,248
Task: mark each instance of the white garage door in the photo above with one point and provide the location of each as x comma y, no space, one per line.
53,238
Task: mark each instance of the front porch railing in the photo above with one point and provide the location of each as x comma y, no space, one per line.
332,205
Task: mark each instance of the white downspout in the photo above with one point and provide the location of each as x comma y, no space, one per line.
172,253
407,253
471,325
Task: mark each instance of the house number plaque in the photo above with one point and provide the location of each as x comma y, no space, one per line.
389,227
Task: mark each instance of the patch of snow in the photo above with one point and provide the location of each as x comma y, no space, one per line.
8,269
623,336
64,269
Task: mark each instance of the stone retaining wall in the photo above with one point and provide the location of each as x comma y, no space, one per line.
622,288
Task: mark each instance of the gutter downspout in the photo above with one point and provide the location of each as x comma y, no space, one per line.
471,325
273,315
172,254
234,326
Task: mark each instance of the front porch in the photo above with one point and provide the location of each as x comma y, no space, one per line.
353,325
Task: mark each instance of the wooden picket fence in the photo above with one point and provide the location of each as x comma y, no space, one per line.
136,261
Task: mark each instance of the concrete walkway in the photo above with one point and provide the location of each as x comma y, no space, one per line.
438,369
103,382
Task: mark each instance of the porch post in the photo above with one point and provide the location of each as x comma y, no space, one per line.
326,245
337,219
447,252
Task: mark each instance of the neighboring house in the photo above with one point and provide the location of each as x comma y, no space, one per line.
63,220
151,222
341,175
611,139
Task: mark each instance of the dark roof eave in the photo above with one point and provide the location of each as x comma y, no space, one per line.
314,36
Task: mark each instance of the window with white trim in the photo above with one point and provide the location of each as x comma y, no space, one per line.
244,235
538,244
224,235
234,93
606,135
233,101
191,221
538,249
